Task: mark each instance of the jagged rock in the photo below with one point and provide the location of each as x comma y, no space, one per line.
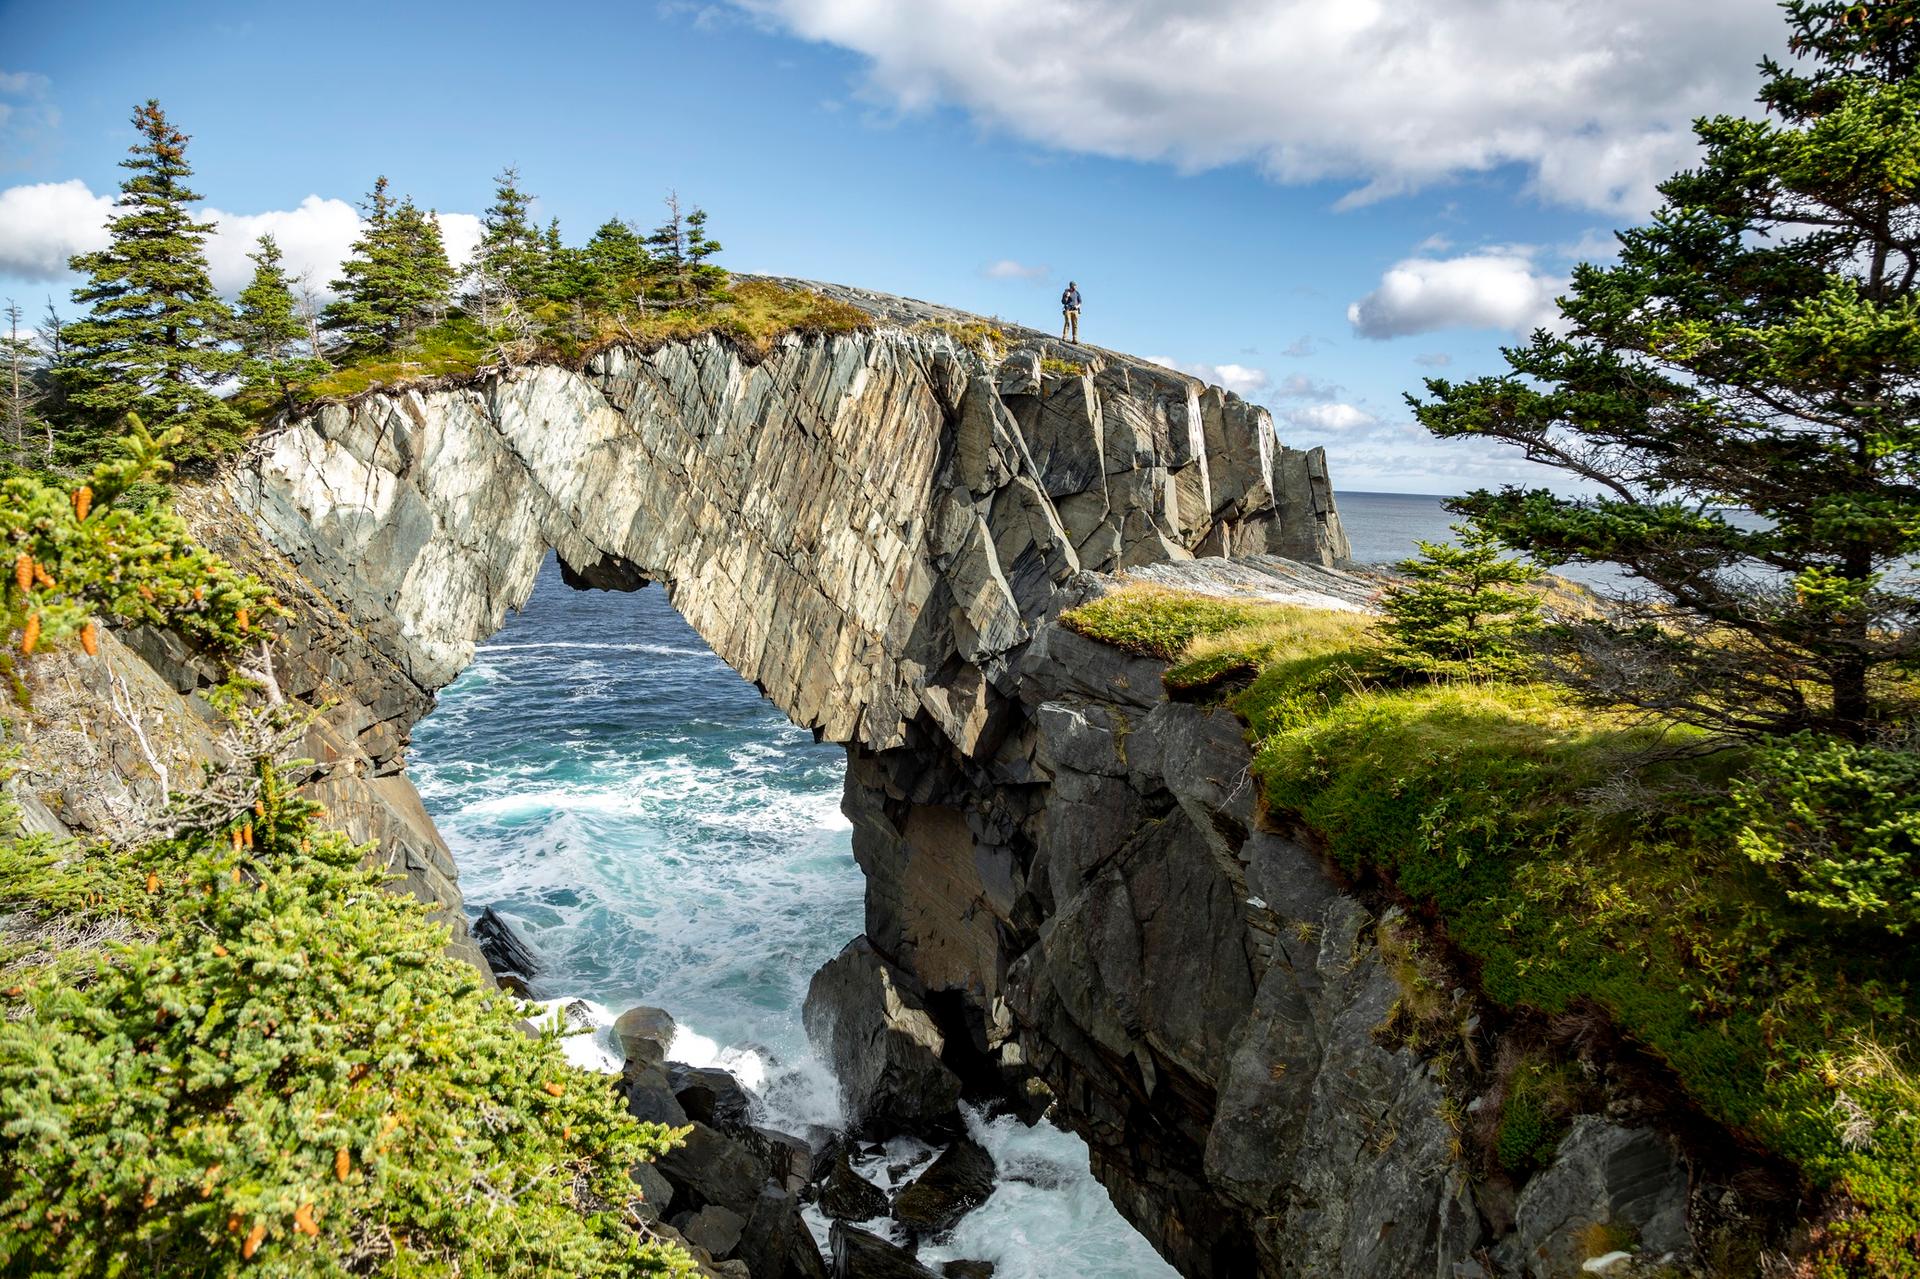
713,1168
710,1095
847,1196
959,1181
865,1017
1608,1189
860,1255
775,1241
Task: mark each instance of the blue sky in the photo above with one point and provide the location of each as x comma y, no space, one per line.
1314,203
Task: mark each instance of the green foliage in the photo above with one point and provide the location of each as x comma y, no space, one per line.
396,279
679,249
153,338
1842,821
1539,1100
270,332
92,553
1154,621
1063,368
284,1073
1464,615
512,262
237,1050
1578,863
1757,347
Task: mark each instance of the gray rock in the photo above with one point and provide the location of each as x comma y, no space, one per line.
713,1168
959,1181
1622,1186
866,1018
644,1034
713,1228
858,1254
656,1192
966,1268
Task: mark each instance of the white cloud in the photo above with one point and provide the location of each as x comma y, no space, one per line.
1593,100
1495,289
1433,360
1238,378
1008,269
43,224
1301,347
1330,417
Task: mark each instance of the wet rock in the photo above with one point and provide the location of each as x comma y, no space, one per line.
966,1268
505,949
710,1095
1608,1189
867,1019
775,1242
959,1181
858,1254
847,1196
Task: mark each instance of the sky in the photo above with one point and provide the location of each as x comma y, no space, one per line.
1315,203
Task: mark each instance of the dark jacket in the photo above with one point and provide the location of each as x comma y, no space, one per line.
1070,300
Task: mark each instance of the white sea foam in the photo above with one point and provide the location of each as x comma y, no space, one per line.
588,1043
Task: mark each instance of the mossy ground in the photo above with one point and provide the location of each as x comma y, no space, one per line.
1579,863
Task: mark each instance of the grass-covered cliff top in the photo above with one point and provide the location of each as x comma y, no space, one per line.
1580,862
753,314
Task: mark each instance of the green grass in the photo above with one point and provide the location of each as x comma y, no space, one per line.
753,314
1065,368
1500,810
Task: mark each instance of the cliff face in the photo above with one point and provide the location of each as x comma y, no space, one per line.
878,529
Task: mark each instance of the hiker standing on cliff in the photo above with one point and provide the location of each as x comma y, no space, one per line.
1070,313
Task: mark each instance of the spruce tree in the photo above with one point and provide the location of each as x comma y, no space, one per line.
510,265
153,338
396,278
1741,396
667,251
615,266
1463,614
19,409
270,330
703,276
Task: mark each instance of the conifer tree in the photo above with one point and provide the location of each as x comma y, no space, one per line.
703,276
510,264
19,409
152,340
667,251
1755,350
1464,614
615,266
270,330
396,278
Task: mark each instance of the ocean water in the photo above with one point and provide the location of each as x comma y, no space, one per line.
660,834
1387,527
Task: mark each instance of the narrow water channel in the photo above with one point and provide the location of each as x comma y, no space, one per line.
662,835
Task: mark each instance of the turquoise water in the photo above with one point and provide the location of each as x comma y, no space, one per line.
661,835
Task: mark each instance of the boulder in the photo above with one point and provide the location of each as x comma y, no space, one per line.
1608,1189
847,1196
715,1228
644,1034
710,1095
775,1241
656,1192
967,1268
713,1167
866,1018
958,1182
860,1255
